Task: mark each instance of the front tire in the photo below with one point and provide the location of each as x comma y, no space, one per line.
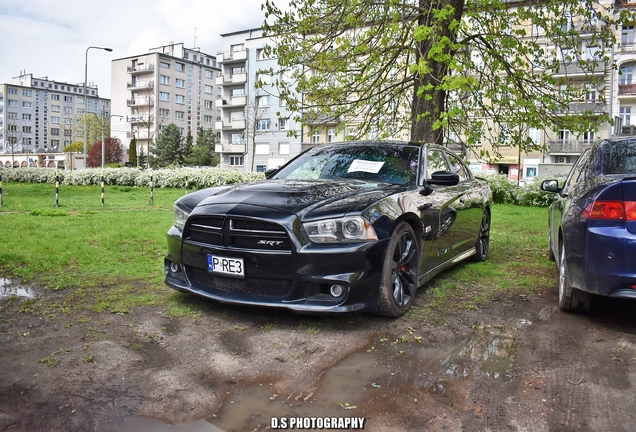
570,298
399,273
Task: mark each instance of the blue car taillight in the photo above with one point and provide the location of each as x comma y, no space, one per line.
610,210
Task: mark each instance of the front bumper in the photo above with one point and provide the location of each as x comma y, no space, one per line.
299,280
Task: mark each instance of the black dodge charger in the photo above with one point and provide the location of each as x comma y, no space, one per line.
340,228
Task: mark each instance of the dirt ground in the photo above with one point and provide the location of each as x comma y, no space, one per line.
519,365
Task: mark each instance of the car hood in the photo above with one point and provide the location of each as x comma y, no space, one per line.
308,199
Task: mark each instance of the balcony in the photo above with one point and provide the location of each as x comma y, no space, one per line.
627,89
567,146
142,68
139,102
141,85
231,101
229,148
587,107
231,56
574,68
229,125
237,78
313,119
139,135
138,119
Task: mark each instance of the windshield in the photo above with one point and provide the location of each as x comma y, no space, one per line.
371,163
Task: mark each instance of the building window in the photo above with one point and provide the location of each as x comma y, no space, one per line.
625,114
262,101
13,115
164,112
208,89
207,119
625,76
13,90
179,115
504,135
263,124
55,97
163,79
179,67
261,168
564,135
180,99
26,129
55,119
13,103
588,136
55,131
315,137
535,136
627,37
237,47
164,64
207,104
236,160
331,135
68,121
26,116
68,98
282,124
26,104
68,132
264,78
26,92
55,108
180,83
163,96
55,143
80,111
236,139
260,54
208,73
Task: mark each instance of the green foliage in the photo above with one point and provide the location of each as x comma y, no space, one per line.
132,152
442,67
76,147
202,153
94,128
142,159
506,191
168,148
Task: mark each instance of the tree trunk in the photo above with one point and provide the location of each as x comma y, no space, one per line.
426,111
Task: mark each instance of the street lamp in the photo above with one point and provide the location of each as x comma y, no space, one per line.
86,95
102,124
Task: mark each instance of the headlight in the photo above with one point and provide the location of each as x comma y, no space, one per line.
180,217
341,230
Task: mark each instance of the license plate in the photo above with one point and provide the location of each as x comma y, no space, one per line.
228,266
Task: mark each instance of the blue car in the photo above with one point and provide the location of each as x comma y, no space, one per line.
592,225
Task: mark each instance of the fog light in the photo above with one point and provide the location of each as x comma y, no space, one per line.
175,267
337,290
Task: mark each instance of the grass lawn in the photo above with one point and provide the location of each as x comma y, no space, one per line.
111,258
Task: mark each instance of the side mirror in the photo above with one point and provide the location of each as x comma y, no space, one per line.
550,186
270,172
444,178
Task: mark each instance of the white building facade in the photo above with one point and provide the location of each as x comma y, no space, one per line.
169,84
39,115
254,128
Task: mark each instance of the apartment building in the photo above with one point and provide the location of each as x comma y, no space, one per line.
169,84
40,115
253,124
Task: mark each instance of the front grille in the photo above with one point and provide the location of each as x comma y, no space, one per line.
255,286
240,233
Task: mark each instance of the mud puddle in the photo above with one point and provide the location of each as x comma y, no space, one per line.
9,288
366,384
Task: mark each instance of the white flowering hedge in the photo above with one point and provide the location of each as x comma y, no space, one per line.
166,178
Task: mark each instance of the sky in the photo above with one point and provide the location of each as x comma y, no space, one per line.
50,37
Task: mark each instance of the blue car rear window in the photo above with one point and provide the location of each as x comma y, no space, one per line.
620,158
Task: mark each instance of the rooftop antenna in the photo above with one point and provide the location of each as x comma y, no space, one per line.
195,39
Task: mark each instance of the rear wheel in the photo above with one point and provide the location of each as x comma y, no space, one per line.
399,273
483,241
570,298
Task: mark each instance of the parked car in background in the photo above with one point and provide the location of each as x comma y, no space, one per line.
592,225
341,228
